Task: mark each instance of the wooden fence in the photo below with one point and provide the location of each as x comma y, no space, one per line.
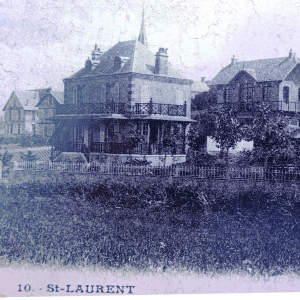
230,173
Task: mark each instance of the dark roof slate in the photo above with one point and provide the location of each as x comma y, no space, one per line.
138,59
271,69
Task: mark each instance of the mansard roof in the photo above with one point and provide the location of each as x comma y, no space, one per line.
134,57
262,70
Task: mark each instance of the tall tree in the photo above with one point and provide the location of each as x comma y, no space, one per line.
270,136
228,131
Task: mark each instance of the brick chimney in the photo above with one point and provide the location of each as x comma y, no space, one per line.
161,62
234,60
292,55
202,79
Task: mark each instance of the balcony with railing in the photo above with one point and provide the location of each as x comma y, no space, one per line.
252,106
152,108
149,108
91,108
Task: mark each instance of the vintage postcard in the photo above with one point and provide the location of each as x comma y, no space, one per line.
149,147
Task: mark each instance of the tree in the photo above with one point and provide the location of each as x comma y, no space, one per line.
204,100
228,131
6,158
29,156
270,137
197,135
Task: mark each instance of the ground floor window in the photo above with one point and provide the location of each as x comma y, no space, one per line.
142,128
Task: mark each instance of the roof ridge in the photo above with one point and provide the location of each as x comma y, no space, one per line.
261,59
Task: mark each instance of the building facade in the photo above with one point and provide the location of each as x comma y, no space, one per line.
124,101
275,82
24,112
47,107
21,113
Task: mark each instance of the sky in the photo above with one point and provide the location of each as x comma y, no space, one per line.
42,42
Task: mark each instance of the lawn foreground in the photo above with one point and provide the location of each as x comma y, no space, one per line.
150,225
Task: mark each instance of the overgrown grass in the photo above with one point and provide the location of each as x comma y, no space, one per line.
214,227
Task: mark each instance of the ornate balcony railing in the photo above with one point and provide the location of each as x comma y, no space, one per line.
151,108
91,108
252,106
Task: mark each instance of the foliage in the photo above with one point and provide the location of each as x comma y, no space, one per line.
29,156
205,126
204,100
6,158
228,131
150,224
31,141
171,135
271,138
24,141
197,158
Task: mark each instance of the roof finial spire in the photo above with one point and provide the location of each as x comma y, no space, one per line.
142,36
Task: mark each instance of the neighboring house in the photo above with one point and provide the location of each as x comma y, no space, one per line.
47,107
275,81
199,87
22,114
126,100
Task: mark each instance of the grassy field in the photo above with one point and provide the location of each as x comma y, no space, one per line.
118,222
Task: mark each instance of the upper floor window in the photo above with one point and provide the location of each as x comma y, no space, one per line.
33,116
86,94
19,115
74,95
9,115
266,92
112,92
246,92
286,94
116,92
19,128
226,95
298,94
